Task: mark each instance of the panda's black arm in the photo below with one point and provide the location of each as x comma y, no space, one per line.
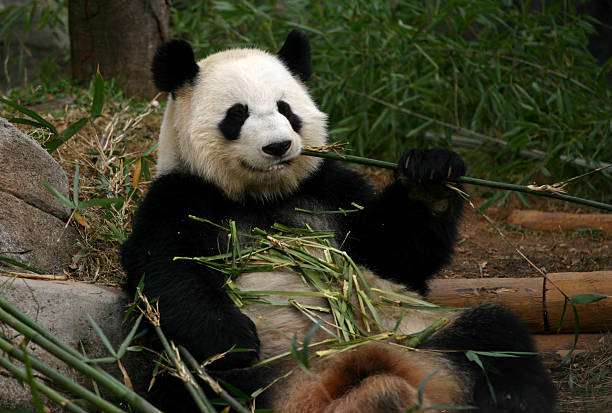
411,224
401,238
195,311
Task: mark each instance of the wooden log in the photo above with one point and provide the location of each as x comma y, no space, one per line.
554,221
554,347
535,300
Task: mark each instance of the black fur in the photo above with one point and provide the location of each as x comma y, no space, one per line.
520,384
234,119
173,66
397,234
191,294
405,233
285,109
296,54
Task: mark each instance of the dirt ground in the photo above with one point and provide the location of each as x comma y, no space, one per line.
482,252
585,383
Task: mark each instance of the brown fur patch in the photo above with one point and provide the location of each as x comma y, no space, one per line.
374,378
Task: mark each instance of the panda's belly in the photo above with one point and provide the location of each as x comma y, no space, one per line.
278,321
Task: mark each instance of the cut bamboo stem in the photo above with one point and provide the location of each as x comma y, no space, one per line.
461,179
32,276
534,300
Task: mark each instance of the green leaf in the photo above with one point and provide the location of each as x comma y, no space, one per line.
75,186
20,265
42,121
124,346
69,132
473,356
59,196
103,337
587,298
98,99
24,121
302,355
422,386
33,387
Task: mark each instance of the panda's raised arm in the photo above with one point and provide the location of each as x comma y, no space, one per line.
411,224
195,312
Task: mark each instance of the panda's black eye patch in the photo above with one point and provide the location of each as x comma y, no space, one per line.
285,110
234,118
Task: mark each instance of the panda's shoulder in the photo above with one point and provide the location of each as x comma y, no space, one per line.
174,192
335,180
179,184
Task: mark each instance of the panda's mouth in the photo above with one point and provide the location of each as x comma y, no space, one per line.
272,168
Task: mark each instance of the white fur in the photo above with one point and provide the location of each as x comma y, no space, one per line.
278,324
190,139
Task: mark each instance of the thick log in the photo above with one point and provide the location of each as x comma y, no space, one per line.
535,300
554,347
554,221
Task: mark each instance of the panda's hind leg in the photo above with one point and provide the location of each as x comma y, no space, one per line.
520,383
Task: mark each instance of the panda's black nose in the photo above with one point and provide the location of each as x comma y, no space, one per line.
277,148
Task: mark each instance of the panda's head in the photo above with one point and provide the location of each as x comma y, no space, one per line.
239,118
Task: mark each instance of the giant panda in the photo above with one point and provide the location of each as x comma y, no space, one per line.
230,148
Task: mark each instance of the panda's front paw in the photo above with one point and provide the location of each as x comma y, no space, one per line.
240,337
429,166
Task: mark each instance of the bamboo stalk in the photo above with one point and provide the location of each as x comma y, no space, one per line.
71,357
49,392
211,382
189,381
32,276
461,179
63,381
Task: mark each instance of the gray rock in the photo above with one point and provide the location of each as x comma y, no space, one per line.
62,307
32,220
25,166
34,237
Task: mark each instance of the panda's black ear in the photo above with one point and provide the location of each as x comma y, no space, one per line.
173,65
295,53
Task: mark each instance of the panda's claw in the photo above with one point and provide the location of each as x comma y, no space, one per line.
429,166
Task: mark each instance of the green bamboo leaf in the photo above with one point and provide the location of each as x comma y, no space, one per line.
103,202
54,143
98,99
42,121
19,264
587,298
75,186
31,382
124,346
59,196
102,336
422,386
24,121
473,356
72,129
504,353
